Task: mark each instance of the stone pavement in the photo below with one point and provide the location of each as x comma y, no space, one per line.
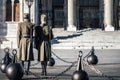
81,39
108,66
85,39
66,46
111,71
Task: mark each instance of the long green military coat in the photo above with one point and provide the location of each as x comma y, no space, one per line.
43,43
25,52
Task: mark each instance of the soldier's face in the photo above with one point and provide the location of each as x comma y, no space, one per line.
43,19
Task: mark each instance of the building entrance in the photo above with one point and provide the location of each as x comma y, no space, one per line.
58,13
58,18
88,14
89,17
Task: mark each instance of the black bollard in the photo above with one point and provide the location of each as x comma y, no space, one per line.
14,71
51,62
92,59
6,60
80,74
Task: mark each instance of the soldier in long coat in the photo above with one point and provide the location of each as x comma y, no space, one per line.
24,34
43,43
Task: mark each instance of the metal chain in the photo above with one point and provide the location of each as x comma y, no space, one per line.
35,64
55,77
35,74
87,54
63,72
62,59
96,70
67,69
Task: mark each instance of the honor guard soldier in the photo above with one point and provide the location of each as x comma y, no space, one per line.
43,43
24,40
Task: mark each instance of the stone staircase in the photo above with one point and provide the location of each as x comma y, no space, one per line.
85,39
8,37
66,45
81,39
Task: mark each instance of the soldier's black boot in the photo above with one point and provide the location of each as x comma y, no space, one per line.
28,67
44,72
22,62
45,66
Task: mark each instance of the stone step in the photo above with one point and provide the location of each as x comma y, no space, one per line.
85,39
104,55
10,42
85,45
70,45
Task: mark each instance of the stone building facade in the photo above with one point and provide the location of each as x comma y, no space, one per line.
71,15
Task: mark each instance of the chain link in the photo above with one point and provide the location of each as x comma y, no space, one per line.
54,77
63,72
35,64
96,70
62,59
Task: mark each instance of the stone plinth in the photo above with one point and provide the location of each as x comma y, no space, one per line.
109,28
71,28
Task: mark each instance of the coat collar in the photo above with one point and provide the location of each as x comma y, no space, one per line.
43,24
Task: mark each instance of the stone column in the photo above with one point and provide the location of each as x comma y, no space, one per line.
49,12
12,10
36,13
108,15
71,15
4,10
21,10
101,14
65,15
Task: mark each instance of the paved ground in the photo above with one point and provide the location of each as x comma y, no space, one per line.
108,67
66,46
111,71
84,39
81,39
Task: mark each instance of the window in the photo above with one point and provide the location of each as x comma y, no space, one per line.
89,13
58,17
58,12
88,2
16,10
58,2
8,10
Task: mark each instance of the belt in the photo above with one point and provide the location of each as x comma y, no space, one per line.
25,36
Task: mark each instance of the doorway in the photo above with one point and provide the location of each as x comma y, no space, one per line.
88,17
88,13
